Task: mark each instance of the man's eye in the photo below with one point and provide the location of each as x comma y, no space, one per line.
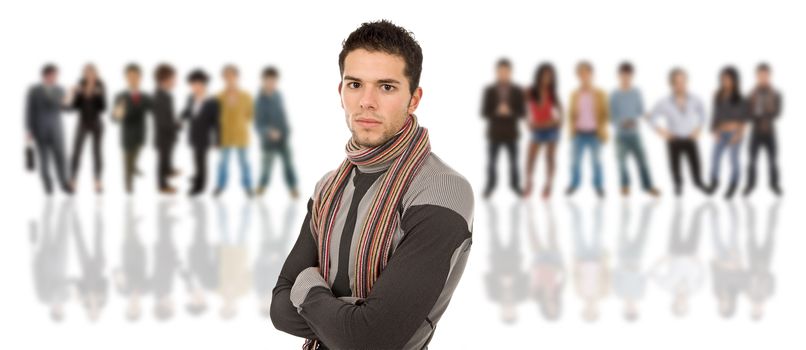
353,85
387,87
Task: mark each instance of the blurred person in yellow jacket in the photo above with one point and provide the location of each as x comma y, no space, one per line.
236,108
588,114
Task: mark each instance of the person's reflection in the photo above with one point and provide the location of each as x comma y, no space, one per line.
729,276
201,275
166,262
273,250
49,246
130,278
591,273
506,282
548,269
234,276
629,278
680,272
760,280
93,285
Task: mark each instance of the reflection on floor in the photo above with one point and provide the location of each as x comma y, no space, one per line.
678,271
205,266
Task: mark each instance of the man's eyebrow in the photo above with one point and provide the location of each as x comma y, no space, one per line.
379,81
387,81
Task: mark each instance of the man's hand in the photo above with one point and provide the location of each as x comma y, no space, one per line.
274,134
694,135
503,110
120,110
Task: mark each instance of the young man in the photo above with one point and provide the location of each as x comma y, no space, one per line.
502,106
131,107
166,126
272,128
202,113
765,104
236,109
588,114
43,122
685,116
626,107
388,233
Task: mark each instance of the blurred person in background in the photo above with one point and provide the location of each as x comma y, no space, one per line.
502,106
43,123
684,116
236,113
727,126
765,104
544,123
272,129
588,115
130,111
626,110
166,126
90,102
202,113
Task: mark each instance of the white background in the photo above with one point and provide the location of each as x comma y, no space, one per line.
461,43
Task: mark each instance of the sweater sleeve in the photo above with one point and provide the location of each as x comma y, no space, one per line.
283,314
422,271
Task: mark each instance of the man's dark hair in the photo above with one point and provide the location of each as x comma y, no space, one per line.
383,36
198,75
626,68
763,67
132,67
164,72
675,72
504,62
49,69
270,72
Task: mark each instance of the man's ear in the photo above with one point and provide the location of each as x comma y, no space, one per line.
340,100
415,100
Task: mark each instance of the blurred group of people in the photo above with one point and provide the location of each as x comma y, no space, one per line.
679,118
222,121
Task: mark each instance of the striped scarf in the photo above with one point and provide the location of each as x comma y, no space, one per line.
408,150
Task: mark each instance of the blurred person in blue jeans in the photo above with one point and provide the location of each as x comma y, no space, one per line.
727,125
626,109
588,114
236,113
272,129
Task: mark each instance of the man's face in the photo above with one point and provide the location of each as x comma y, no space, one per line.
230,78
503,74
763,77
198,88
133,78
679,83
585,76
375,96
269,84
50,78
169,83
625,79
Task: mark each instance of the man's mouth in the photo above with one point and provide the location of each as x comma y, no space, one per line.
367,122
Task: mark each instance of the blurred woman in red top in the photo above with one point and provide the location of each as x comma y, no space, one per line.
544,123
